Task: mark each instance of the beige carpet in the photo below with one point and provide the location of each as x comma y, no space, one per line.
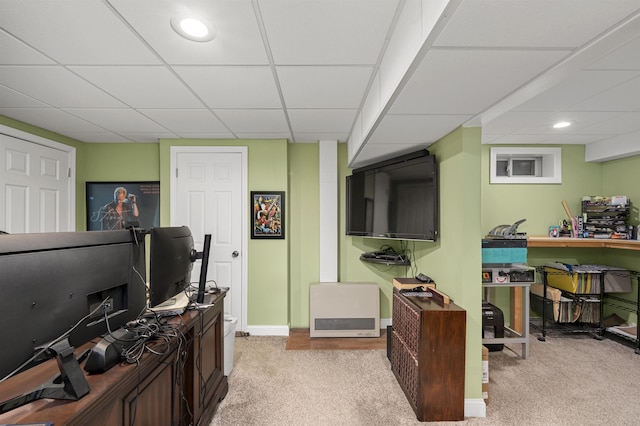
566,381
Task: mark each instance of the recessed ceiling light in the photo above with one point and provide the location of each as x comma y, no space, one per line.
191,28
562,124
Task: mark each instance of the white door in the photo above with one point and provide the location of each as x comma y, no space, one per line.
208,194
35,187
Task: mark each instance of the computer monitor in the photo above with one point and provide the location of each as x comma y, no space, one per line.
66,284
171,259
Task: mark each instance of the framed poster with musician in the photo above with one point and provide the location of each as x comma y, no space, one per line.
267,214
121,205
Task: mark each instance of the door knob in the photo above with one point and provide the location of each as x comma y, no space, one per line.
235,254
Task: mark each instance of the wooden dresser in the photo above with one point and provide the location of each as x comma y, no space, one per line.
428,355
183,386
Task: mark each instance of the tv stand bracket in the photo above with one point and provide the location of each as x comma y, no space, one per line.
70,384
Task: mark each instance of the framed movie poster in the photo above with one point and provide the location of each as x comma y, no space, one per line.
119,205
267,214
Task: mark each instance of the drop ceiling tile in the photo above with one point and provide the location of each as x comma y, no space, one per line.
238,39
151,137
310,137
55,86
620,124
98,137
624,58
323,87
141,86
232,87
118,120
15,52
322,120
253,120
469,81
207,135
624,97
12,99
185,120
314,32
539,23
50,119
263,135
54,28
578,87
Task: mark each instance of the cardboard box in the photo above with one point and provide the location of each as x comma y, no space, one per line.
485,374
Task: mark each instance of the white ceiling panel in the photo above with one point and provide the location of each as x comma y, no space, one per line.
118,120
323,87
469,81
254,120
51,119
539,23
55,86
624,97
12,99
388,76
238,39
186,120
100,137
579,87
141,87
266,136
328,32
232,87
74,32
621,124
624,58
15,52
321,120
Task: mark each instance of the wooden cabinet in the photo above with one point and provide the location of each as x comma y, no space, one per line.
182,385
428,355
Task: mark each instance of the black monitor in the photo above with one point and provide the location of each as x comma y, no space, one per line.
171,260
66,284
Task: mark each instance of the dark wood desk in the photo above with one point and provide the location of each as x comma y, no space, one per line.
182,386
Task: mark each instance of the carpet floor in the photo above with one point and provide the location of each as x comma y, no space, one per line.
566,381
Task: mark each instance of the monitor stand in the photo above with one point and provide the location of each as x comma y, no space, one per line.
70,384
173,306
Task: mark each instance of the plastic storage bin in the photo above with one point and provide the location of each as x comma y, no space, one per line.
229,341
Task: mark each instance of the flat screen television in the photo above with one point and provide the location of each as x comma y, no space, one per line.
395,199
66,284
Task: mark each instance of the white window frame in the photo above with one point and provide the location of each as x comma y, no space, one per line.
548,163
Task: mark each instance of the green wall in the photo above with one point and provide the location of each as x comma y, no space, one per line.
541,206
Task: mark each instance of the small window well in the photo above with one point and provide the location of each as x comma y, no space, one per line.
526,165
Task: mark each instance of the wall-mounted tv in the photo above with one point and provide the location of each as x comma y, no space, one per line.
396,198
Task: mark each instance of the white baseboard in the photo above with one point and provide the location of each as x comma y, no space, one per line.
384,323
268,330
475,407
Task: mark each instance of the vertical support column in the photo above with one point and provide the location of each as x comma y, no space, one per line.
328,211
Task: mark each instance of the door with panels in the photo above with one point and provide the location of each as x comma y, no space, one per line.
208,194
36,187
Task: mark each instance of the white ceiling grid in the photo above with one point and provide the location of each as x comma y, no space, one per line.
388,76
